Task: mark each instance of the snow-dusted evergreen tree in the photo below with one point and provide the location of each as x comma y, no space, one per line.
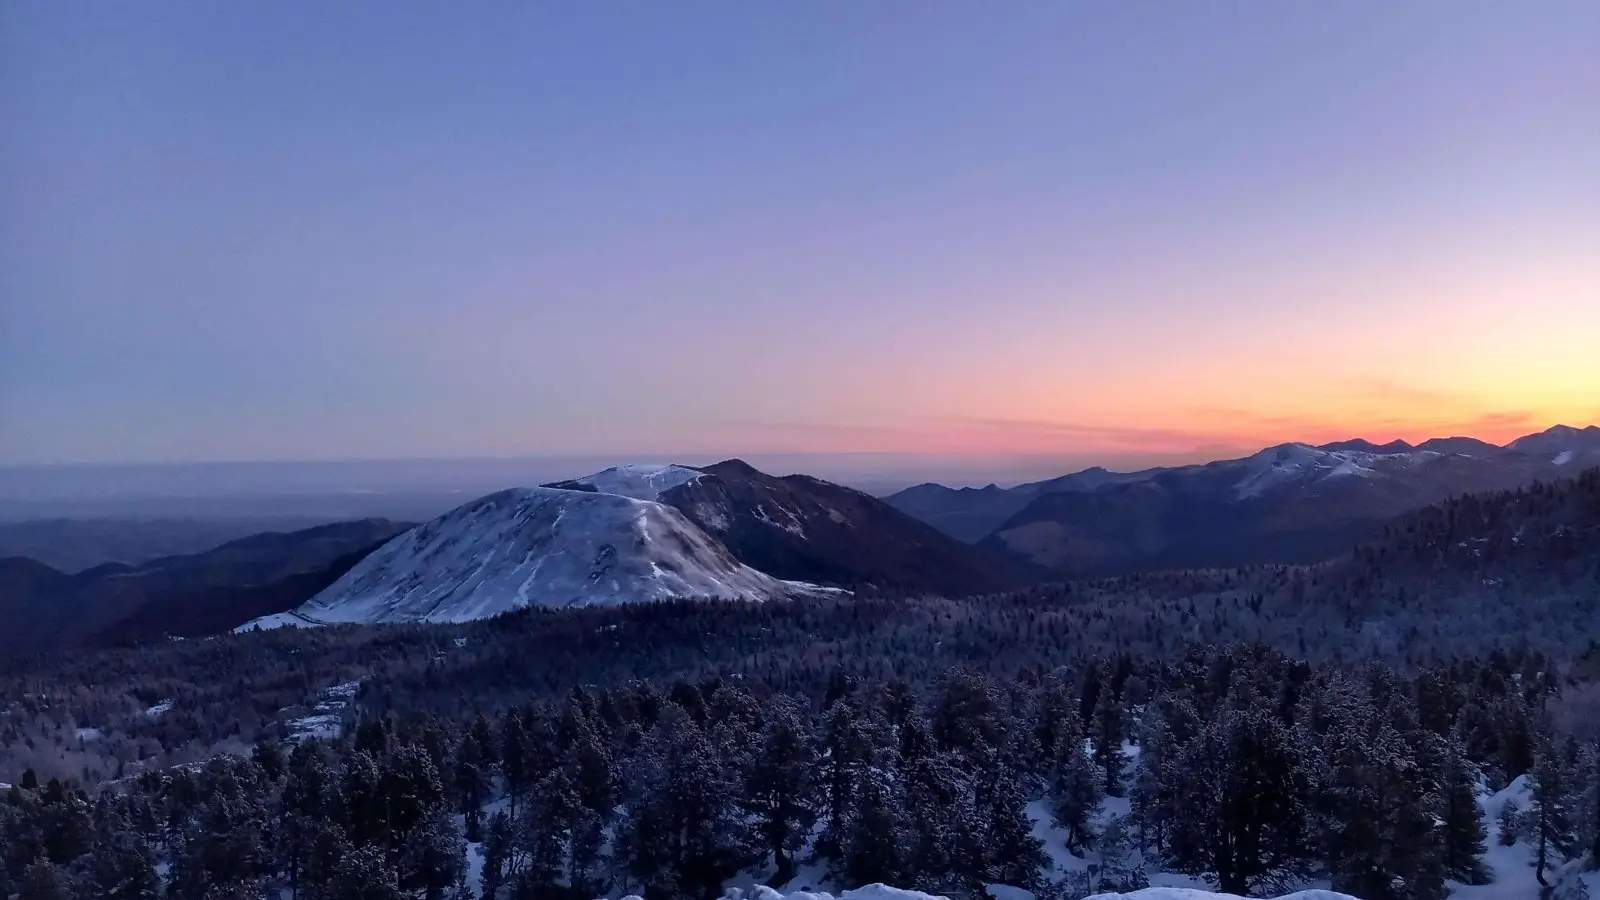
847,758
364,874
432,855
1239,811
684,832
779,791
498,847
875,851
1384,803
1109,729
1510,822
1464,835
1013,854
122,866
548,827
43,880
940,809
1075,786
1593,806
1551,822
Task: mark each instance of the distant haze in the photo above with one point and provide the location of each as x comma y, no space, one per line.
417,488
874,241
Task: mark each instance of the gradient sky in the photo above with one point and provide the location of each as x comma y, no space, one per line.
1118,231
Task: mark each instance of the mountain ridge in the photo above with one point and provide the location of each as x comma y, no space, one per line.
1293,502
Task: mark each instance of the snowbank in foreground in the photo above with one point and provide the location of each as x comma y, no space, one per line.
1191,894
884,892
870,892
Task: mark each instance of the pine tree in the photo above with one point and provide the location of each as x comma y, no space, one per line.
684,832
433,855
1594,808
875,851
547,828
122,867
364,874
1014,854
778,791
1109,729
497,850
513,756
1240,812
1510,823
1464,836
1551,824
43,880
1075,788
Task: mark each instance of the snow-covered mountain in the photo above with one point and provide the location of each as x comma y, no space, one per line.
536,547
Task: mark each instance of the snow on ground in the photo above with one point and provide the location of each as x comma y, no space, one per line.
1512,868
277,620
160,709
88,734
1194,894
1004,892
870,892
326,720
1563,457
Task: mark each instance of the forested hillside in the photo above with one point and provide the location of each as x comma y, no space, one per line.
1244,767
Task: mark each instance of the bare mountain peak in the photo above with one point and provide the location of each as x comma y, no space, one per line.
733,468
1365,446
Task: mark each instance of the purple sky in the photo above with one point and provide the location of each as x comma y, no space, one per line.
1112,231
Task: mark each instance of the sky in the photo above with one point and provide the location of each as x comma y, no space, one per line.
1106,232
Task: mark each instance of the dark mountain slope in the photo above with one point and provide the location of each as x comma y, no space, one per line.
967,514
44,610
74,545
801,528
1466,446
201,611
1289,504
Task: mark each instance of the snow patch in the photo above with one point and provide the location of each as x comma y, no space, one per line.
1002,892
641,482
870,892
326,721
1299,463
1563,457
276,620
160,709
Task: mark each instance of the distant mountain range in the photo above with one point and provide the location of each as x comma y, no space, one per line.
640,533
1290,503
